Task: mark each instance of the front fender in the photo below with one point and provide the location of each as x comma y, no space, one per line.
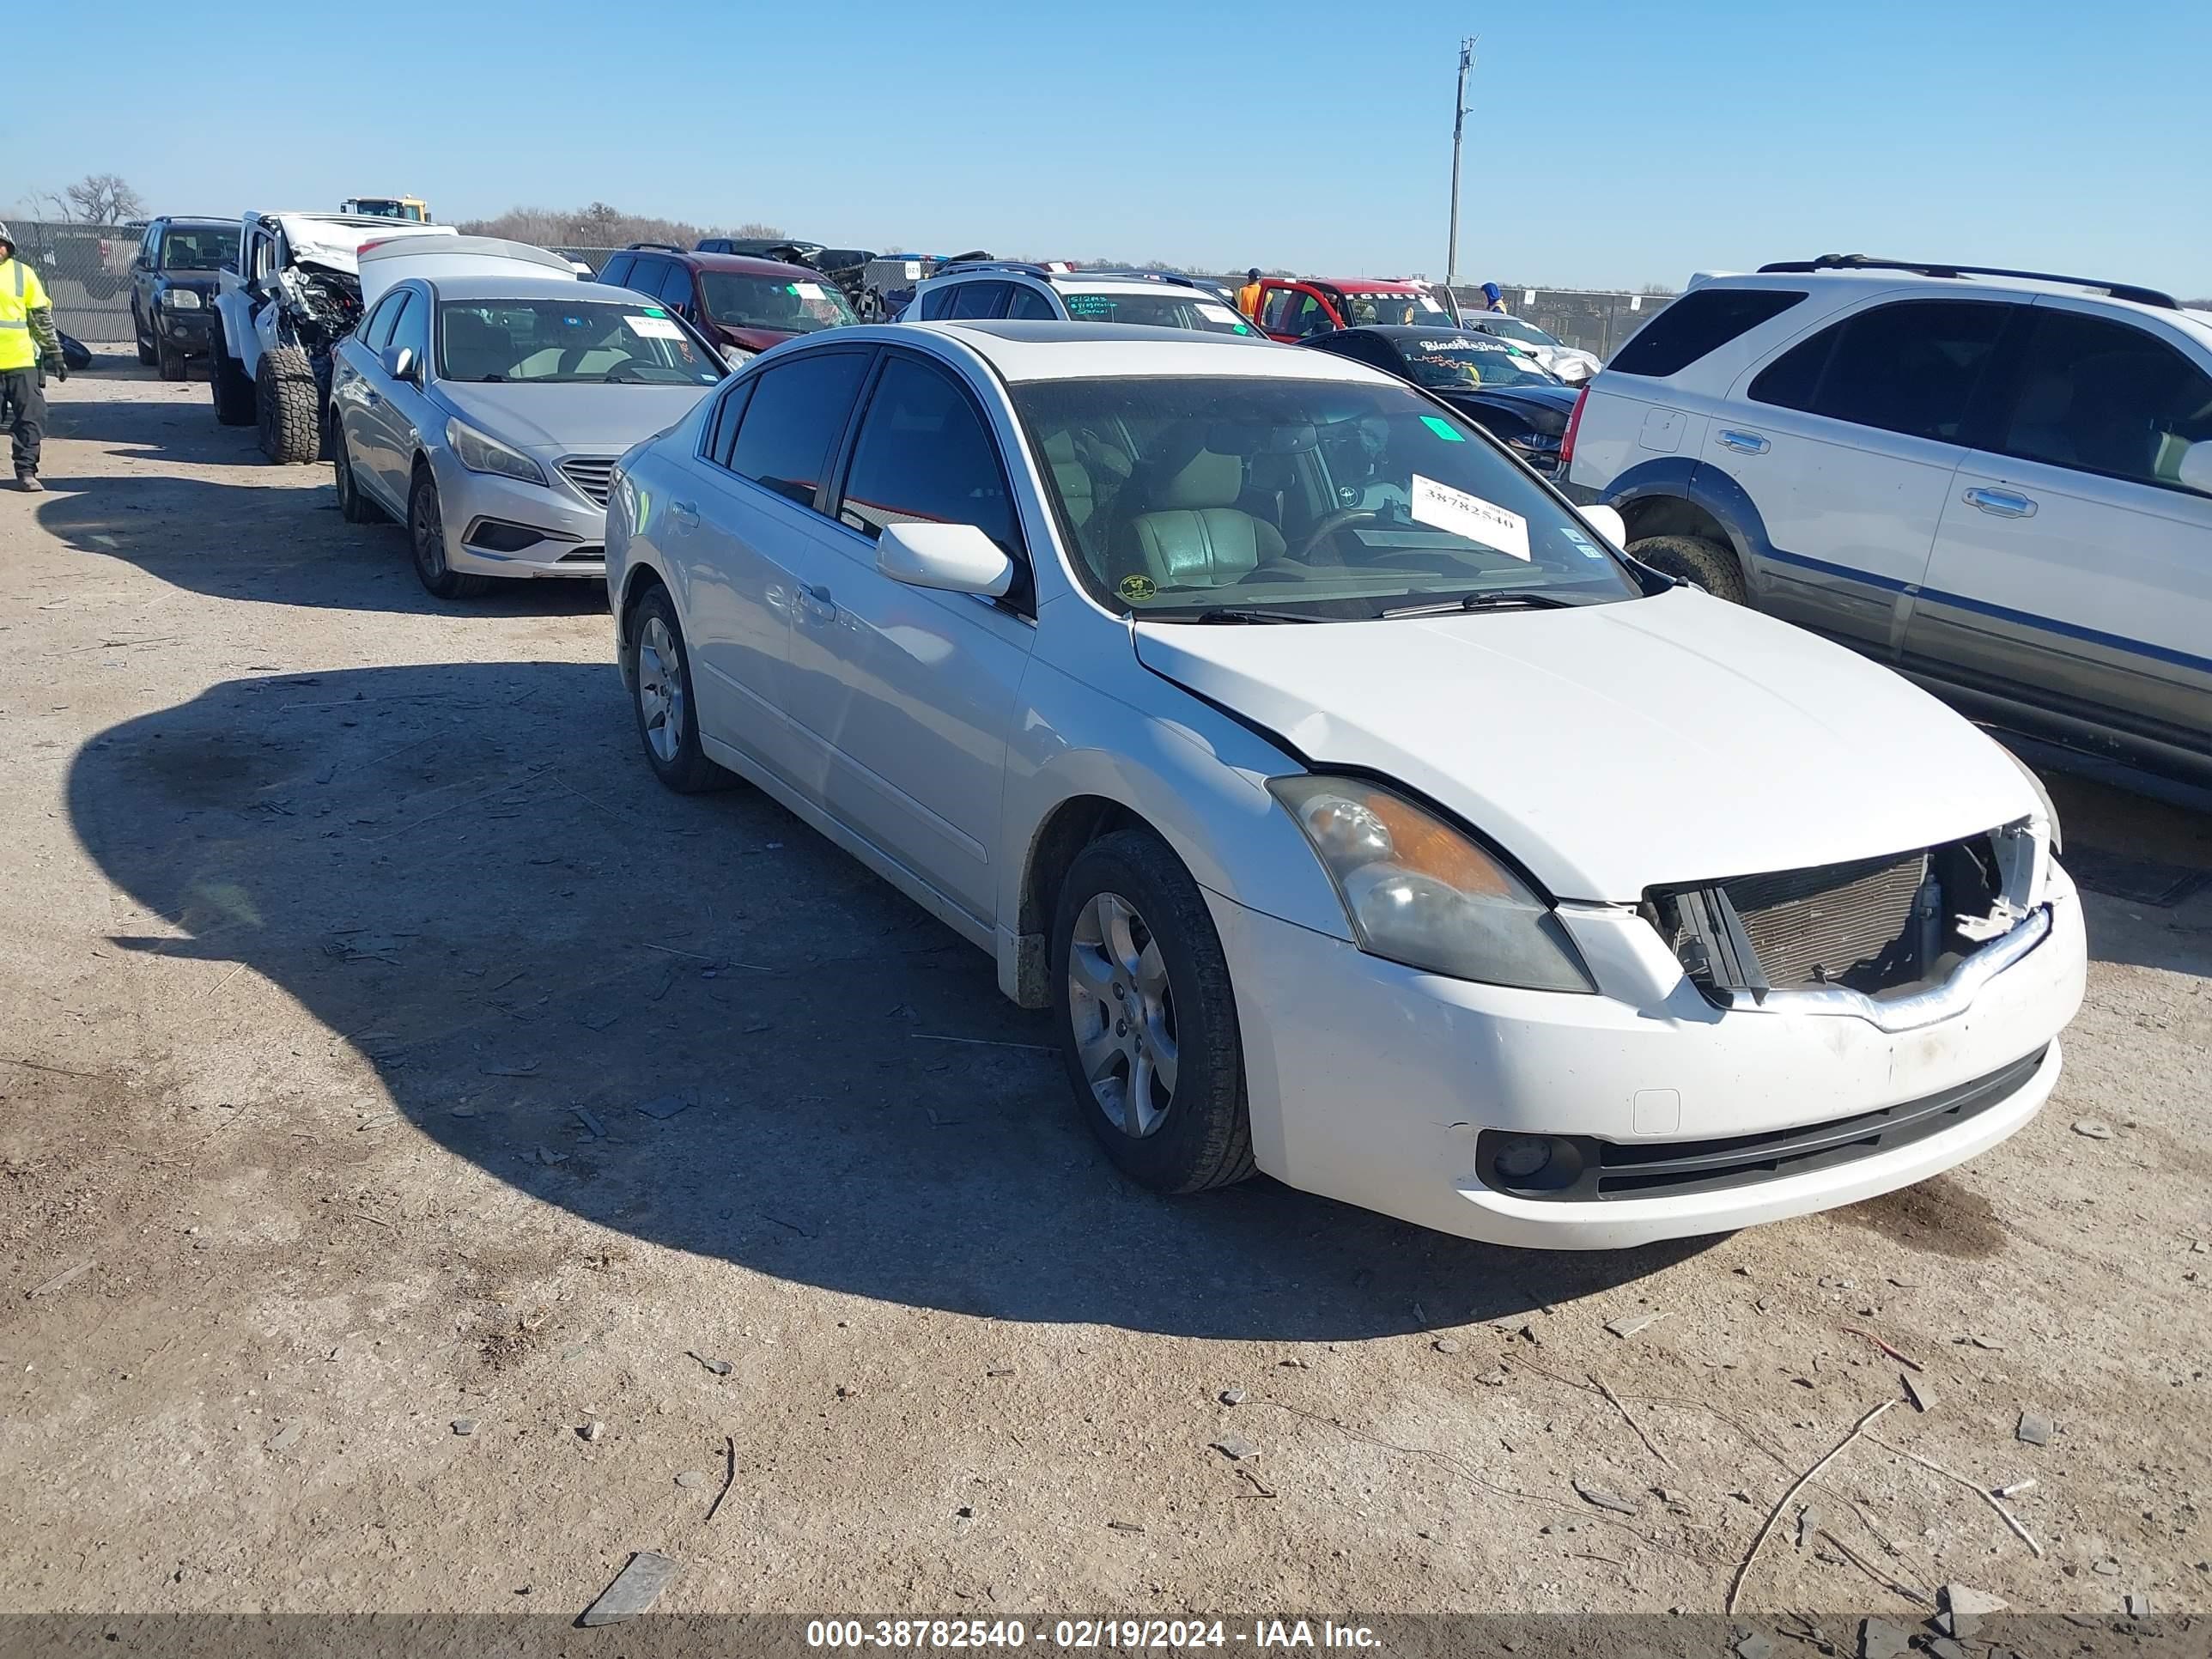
1196,776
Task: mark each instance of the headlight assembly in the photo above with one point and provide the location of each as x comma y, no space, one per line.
1419,891
181,299
481,453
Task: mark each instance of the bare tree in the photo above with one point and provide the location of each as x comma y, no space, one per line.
99,198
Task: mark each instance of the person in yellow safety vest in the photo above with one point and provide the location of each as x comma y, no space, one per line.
29,346
1248,297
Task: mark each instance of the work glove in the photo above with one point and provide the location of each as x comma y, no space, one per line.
58,368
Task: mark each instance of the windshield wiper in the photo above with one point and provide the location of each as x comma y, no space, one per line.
1224,613
1492,598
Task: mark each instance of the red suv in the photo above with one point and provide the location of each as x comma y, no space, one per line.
1299,309
743,305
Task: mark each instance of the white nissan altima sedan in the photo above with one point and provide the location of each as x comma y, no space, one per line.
1360,813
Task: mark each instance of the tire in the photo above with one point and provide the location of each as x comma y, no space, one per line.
426,536
284,405
228,386
1704,564
1169,964
657,671
353,507
170,360
143,334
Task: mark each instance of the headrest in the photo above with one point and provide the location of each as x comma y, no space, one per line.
1206,480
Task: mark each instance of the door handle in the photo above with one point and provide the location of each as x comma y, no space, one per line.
1744,443
683,515
815,597
2001,503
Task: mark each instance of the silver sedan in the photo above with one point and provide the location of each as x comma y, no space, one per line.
486,414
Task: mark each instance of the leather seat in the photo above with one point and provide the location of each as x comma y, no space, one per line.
475,348
1194,534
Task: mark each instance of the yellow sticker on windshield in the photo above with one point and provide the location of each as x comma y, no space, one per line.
1137,587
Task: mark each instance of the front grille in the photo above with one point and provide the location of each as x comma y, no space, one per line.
1585,1168
1832,925
593,474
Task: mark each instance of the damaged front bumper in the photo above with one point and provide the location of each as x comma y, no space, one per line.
1381,1087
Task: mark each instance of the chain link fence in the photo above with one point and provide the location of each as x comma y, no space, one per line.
87,269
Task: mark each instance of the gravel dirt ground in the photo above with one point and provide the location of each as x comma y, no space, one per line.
347,942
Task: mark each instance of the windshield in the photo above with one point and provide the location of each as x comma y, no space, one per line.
198,250
1389,310
801,307
1512,328
1326,499
1451,361
1172,308
549,341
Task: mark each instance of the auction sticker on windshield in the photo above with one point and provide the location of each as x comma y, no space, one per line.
1218,313
1443,507
655,328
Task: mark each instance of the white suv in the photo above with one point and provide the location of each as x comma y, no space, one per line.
985,290
2000,481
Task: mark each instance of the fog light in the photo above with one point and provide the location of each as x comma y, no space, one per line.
1522,1157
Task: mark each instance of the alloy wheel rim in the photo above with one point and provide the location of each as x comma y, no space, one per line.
429,534
660,690
1124,1015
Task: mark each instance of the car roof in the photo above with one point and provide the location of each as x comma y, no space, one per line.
502,287
1880,279
1364,284
742,265
1092,351
214,221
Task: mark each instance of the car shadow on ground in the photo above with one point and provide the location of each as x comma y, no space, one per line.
691,1020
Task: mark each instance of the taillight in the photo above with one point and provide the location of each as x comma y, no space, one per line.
1574,424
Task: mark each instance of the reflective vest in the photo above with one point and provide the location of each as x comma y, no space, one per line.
21,294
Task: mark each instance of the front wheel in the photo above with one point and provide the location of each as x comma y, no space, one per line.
426,530
1704,564
229,387
1148,1019
144,335
284,402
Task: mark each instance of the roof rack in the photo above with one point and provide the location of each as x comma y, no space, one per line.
2130,291
1021,267
657,247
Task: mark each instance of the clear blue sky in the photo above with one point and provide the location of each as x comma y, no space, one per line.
1610,145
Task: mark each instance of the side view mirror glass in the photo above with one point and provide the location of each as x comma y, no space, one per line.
1608,523
399,362
952,558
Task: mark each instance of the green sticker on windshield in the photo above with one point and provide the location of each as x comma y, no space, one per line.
654,311
1137,587
1442,428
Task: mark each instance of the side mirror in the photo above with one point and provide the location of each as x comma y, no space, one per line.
953,558
2195,471
1608,523
399,362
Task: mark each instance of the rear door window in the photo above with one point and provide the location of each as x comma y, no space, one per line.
646,273
979,301
617,271
937,304
1029,304
2101,396
1910,367
923,456
793,420
1701,321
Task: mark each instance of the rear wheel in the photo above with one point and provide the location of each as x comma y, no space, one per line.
353,507
667,716
284,404
426,530
229,390
1148,1019
1702,563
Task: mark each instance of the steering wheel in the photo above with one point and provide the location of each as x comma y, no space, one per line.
622,370
1328,527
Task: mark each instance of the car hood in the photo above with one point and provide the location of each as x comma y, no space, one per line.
562,419
1614,747
1545,408
753,339
202,282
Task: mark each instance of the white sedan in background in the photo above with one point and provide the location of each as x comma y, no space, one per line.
1362,815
